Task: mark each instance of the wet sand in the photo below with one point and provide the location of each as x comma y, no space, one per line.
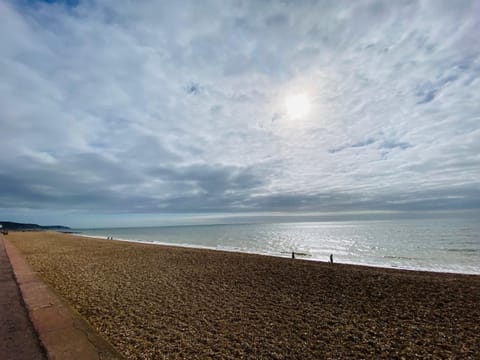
155,302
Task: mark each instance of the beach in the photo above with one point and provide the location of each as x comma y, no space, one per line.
166,302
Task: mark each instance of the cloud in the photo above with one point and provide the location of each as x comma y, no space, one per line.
179,107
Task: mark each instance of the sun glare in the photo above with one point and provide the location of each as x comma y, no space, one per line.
298,106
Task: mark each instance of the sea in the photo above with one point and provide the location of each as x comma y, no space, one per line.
444,245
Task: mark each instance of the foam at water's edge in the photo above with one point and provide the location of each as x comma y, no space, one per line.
438,269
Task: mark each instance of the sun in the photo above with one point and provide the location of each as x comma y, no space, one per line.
298,105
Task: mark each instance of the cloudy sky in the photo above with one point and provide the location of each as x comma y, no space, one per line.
134,112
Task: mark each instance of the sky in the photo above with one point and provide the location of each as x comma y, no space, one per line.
149,112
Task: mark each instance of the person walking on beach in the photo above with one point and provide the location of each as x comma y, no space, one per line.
331,258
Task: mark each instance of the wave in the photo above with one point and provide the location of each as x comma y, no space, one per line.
398,257
464,250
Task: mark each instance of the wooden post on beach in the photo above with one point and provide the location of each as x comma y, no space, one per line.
331,258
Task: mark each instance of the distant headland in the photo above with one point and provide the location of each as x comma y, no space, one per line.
9,225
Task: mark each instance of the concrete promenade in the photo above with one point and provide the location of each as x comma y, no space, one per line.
58,332
18,339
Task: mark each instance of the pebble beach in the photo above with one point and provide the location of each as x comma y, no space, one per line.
166,302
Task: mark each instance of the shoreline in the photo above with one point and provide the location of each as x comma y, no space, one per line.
305,258
154,301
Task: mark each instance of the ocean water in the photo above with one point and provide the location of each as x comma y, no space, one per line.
451,245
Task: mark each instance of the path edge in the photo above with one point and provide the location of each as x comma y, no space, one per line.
62,332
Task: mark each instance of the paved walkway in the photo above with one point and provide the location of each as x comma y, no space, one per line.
62,332
18,340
